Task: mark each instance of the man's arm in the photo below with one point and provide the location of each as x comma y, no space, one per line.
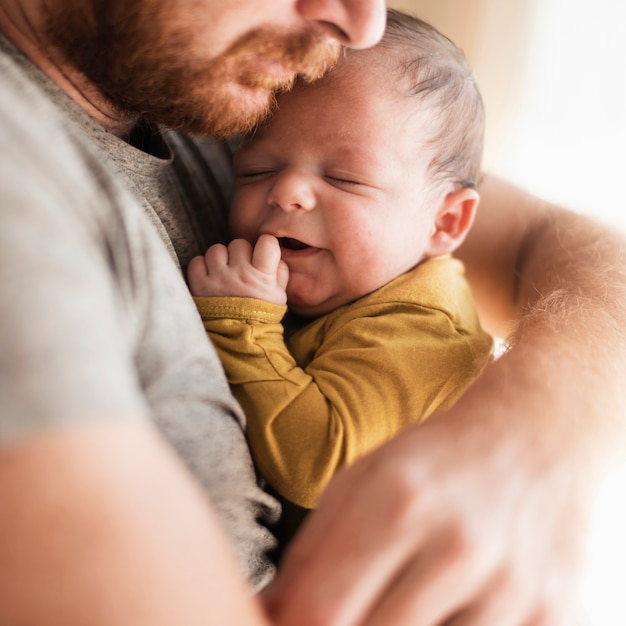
480,515
554,283
522,248
101,525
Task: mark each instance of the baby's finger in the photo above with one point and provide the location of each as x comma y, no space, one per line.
282,275
266,254
197,268
216,256
239,252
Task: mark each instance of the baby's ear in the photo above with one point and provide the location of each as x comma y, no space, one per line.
452,222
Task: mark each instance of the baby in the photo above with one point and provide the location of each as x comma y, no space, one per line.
347,205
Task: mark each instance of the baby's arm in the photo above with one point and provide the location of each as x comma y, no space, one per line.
304,424
241,271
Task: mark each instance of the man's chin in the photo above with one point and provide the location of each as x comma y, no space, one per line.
249,107
237,110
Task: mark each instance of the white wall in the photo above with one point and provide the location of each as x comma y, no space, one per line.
568,142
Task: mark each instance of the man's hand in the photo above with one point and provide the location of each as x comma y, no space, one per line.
460,521
239,270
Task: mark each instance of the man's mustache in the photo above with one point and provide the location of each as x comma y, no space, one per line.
308,55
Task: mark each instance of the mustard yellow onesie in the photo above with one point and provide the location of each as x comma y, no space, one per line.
320,396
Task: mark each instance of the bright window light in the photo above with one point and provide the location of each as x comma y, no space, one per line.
568,143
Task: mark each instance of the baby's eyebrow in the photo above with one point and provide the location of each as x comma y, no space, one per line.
254,144
253,150
363,155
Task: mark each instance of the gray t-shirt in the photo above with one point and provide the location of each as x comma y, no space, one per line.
96,317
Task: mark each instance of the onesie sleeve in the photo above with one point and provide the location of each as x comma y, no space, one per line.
378,369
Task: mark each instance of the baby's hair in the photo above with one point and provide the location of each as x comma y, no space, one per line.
439,75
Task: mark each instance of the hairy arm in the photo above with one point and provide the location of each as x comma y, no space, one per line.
554,284
101,525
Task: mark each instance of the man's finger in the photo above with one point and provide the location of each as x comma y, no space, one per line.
340,579
445,577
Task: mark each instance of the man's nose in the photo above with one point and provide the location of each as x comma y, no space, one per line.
292,191
355,23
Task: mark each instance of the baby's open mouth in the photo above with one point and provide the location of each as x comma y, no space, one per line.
291,244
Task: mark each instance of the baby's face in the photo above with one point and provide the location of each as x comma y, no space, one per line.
339,176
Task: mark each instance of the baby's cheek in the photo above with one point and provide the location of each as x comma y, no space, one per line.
246,222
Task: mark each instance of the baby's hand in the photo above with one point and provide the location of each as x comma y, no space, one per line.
238,270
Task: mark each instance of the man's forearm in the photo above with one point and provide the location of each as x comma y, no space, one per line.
554,283
571,297
101,526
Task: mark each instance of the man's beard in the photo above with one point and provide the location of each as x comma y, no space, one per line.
148,64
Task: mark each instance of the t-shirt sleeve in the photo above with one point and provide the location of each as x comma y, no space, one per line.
65,349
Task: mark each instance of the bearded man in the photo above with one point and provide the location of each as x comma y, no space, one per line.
128,494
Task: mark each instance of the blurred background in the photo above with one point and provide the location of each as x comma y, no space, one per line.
553,77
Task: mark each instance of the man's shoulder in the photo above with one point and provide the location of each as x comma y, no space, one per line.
34,137
23,103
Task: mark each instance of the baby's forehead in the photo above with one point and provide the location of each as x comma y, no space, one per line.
378,68
358,65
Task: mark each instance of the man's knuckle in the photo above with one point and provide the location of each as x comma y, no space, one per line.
462,545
